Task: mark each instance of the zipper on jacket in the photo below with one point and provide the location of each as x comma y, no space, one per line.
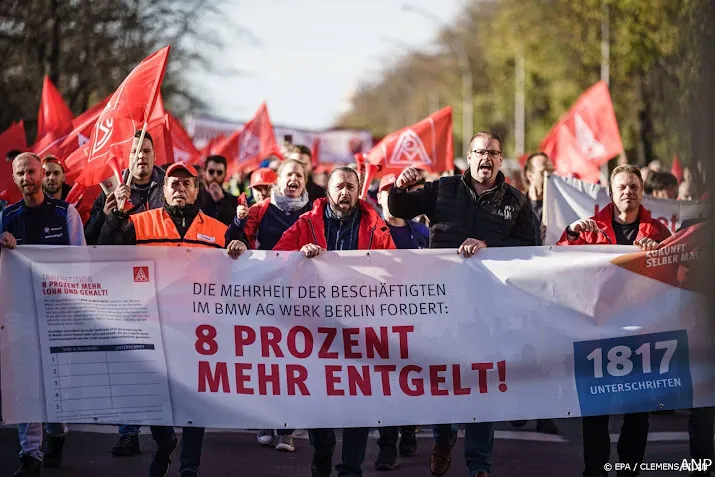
372,234
312,230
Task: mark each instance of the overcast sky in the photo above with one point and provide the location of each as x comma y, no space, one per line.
310,54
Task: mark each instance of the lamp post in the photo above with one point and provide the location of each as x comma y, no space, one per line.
460,52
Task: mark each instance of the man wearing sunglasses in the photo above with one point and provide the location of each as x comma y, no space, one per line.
213,200
469,212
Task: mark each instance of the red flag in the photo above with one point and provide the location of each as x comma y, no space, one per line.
12,138
427,145
65,145
158,112
163,148
591,131
563,149
76,161
54,115
211,147
129,108
249,145
184,149
677,169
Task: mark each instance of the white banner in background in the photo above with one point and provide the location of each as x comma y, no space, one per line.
190,337
567,199
337,146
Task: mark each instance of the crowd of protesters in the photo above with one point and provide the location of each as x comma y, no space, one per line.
283,206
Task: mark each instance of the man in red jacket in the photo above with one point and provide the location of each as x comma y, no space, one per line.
339,222
623,222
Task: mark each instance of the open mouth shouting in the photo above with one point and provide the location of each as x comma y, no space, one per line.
486,168
292,187
344,202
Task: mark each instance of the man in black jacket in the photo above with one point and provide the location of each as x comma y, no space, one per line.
475,210
213,200
145,192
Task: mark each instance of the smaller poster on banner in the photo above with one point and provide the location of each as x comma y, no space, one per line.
101,343
634,373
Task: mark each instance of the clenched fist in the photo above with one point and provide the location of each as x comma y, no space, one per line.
242,212
408,177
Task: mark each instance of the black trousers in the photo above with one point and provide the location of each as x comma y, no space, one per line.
354,444
597,442
389,436
700,428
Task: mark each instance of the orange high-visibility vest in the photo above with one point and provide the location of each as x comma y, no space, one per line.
155,228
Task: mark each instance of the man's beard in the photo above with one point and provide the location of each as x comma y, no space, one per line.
49,190
340,213
34,189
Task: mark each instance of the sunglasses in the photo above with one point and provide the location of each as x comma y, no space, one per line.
218,172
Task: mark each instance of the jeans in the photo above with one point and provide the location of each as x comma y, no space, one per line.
700,428
128,430
285,432
191,445
478,443
354,444
597,442
31,437
389,435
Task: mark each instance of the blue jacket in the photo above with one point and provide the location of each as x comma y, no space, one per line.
54,222
419,235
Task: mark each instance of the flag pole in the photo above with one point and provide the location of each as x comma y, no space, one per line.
133,159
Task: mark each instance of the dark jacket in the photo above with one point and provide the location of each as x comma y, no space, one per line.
264,226
501,216
647,227
66,188
314,191
93,227
372,233
224,210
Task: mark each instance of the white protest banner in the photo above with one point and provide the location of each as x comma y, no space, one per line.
275,340
567,199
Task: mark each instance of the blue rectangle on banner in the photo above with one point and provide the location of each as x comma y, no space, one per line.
633,373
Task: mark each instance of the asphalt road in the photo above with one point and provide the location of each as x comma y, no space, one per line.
518,452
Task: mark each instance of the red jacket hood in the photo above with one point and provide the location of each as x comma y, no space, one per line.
373,233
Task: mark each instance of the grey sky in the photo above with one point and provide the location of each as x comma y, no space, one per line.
312,54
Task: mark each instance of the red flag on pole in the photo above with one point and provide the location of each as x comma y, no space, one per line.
249,145
54,116
12,138
427,145
677,169
129,108
591,133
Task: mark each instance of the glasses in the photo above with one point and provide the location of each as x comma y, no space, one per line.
218,172
493,153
